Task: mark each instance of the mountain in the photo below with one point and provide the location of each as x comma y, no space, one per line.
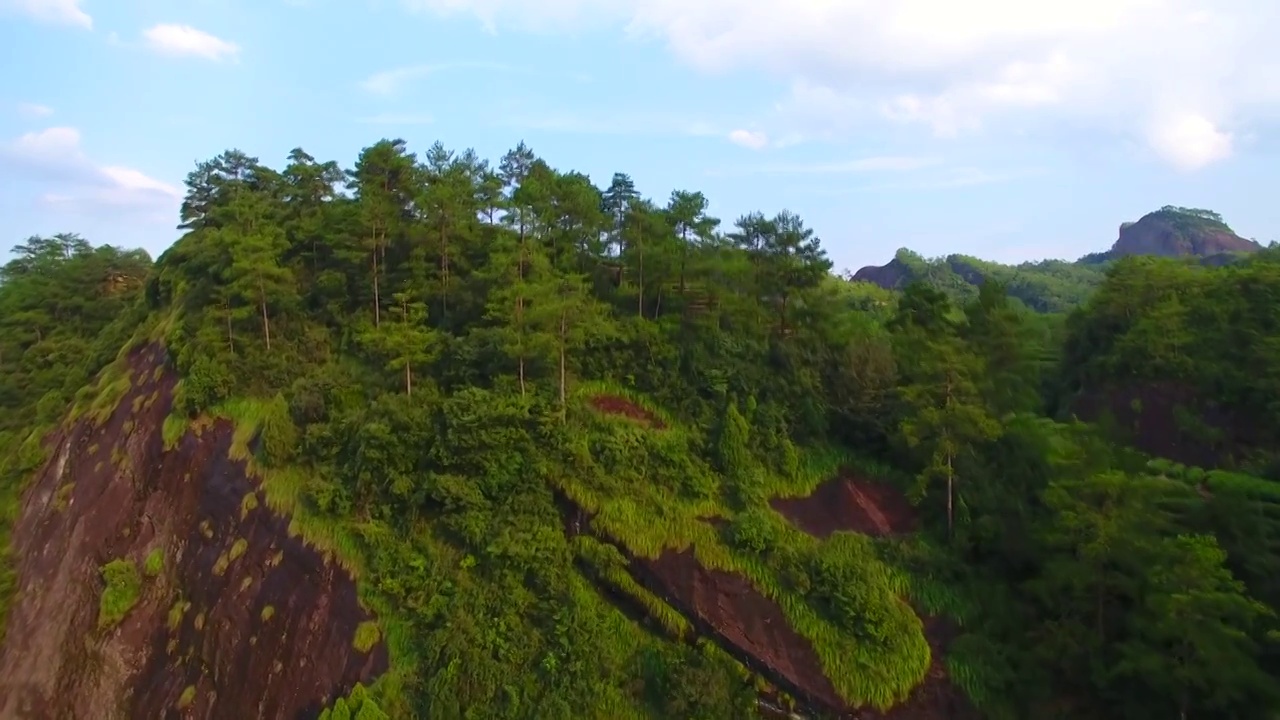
458,441
1056,285
1180,232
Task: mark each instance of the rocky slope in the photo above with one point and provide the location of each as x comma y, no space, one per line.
156,583
1175,232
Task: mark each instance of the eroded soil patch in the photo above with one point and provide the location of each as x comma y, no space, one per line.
727,606
936,698
614,405
849,503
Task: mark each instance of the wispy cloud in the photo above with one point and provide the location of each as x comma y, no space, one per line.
961,177
396,119
621,122
948,178
54,156
752,139
170,39
881,163
34,110
57,12
387,82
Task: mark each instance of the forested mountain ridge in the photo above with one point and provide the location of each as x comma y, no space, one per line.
473,441
1059,285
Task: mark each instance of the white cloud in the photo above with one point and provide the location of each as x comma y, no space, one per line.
1114,66
59,12
54,157
34,110
173,39
1189,141
388,82
753,139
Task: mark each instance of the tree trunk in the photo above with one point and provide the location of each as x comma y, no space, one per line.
231,343
640,247
266,324
444,275
564,407
782,316
408,379
377,301
951,518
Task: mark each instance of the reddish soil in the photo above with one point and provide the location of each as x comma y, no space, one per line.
112,491
614,405
849,503
935,698
727,607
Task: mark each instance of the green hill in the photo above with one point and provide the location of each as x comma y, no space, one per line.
470,441
1054,286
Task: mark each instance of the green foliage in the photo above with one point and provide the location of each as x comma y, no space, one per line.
1208,334
367,635
122,587
1045,286
154,563
187,697
424,375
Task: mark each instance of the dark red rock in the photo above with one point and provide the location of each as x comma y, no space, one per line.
127,497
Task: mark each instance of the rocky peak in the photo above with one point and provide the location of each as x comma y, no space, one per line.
1175,231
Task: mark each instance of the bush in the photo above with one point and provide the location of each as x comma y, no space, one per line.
123,587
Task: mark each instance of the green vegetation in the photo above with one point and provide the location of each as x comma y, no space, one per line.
1044,286
122,586
66,308
367,635
1054,286
187,697
492,393
154,564
355,706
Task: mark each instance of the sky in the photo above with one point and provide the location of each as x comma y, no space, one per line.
1007,129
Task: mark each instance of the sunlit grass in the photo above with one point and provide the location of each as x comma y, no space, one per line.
649,512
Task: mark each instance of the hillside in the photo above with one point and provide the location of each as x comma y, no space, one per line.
1056,285
491,442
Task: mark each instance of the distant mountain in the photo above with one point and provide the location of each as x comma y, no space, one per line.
1059,285
1179,232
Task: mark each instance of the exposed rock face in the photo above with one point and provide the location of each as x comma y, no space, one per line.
892,276
241,621
1172,234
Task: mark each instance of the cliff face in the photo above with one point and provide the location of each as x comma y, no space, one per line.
891,276
210,609
1173,234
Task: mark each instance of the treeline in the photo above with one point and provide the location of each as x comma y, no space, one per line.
1209,337
1047,286
410,334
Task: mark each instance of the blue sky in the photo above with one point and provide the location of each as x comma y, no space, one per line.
999,128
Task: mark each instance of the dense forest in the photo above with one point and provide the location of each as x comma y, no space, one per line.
1057,286
434,364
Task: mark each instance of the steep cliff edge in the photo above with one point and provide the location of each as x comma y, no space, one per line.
157,583
1179,232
